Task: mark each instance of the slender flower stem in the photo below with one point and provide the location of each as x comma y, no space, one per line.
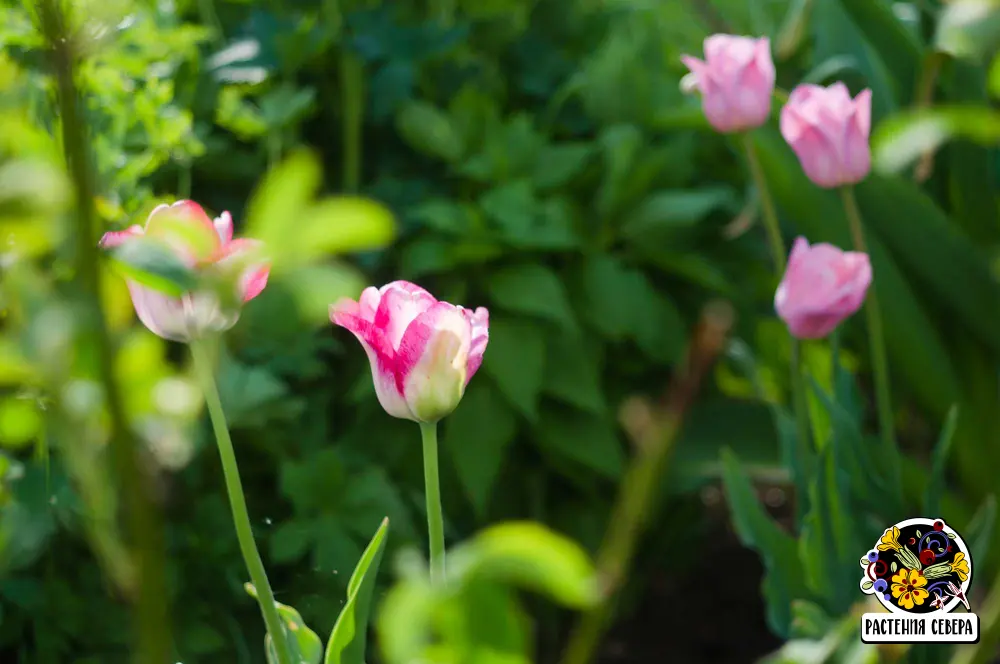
771,224
876,339
432,491
800,404
654,433
153,622
237,502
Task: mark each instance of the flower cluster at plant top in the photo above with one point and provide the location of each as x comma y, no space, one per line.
828,131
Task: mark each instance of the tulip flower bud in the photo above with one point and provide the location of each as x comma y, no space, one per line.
829,133
736,81
422,352
209,249
822,286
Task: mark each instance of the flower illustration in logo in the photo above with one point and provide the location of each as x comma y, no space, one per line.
890,540
908,587
959,565
918,566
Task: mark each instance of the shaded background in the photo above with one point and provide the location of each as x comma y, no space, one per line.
542,162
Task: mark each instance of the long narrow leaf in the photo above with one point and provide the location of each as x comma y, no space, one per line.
350,633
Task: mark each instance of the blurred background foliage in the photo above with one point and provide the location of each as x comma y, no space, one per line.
540,160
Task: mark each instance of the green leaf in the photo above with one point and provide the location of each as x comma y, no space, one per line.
583,438
971,168
784,581
905,137
837,34
349,638
572,373
477,436
620,302
665,211
306,645
978,535
943,261
860,477
557,164
151,263
898,47
935,481
315,287
525,221
291,541
430,131
516,362
533,289
830,540
343,224
968,28
530,556
279,201
994,77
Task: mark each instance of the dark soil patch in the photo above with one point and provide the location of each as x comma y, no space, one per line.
713,614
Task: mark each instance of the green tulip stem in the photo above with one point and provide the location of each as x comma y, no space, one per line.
237,502
432,492
876,339
800,404
770,214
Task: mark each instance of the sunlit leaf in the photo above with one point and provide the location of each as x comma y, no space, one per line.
305,643
342,225
530,556
152,264
903,138
349,638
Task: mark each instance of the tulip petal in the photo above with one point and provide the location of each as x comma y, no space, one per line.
224,227
113,239
401,302
702,75
381,357
480,323
246,256
161,314
186,228
863,112
432,361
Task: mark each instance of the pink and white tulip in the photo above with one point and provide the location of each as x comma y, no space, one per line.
736,81
423,352
204,245
821,287
829,133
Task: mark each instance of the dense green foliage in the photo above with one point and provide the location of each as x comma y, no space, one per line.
539,159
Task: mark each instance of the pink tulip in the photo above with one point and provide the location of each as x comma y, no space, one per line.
829,133
821,287
736,81
422,352
206,246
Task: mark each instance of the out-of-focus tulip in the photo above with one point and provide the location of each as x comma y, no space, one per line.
829,133
821,287
422,352
736,81
206,246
